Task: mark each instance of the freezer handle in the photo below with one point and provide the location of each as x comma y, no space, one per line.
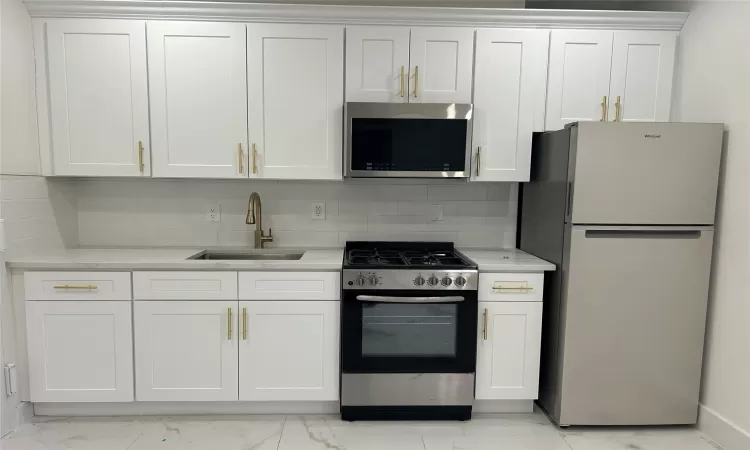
643,234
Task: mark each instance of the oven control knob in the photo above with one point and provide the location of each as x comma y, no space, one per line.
460,281
419,281
433,281
360,280
446,281
373,280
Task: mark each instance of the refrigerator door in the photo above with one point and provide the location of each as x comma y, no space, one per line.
633,318
645,173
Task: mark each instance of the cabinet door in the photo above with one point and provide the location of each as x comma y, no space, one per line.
579,65
296,95
289,350
186,350
198,99
80,351
642,69
441,64
510,336
98,97
377,64
509,86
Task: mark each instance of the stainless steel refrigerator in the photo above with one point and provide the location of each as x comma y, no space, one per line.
626,212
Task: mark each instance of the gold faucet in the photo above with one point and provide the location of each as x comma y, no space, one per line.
254,218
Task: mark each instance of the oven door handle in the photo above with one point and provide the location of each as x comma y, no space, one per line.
390,299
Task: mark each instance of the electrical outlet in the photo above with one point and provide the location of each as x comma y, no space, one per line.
319,211
213,213
436,213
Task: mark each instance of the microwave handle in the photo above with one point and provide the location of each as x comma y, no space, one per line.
391,299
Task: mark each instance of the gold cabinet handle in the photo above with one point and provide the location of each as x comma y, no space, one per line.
140,156
416,81
618,109
255,153
479,159
229,324
512,288
402,81
244,324
76,286
604,109
484,328
240,157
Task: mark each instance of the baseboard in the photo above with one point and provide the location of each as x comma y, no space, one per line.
503,406
25,413
183,408
192,408
721,430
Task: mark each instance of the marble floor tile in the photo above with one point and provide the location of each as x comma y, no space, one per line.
484,432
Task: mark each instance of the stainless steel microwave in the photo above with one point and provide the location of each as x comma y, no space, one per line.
412,140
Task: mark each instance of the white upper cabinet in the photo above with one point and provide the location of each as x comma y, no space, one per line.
98,97
289,350
186,350
295,84
441,65
198,99
579,67
510,337
509,87
377,64
642,69
80,351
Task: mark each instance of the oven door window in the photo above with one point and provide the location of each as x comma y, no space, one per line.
408,337
390,329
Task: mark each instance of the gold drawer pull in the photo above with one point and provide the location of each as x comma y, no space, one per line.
484,329
513,288
75,286
229,324
244,324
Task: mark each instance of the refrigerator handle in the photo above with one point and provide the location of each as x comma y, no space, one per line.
643,234
569,201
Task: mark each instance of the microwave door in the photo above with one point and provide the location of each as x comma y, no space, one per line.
385,140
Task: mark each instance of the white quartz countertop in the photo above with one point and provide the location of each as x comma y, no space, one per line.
502,260
177,259
506,260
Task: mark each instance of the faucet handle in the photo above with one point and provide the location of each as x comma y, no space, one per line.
268,238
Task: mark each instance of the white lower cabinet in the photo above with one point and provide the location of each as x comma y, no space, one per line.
186,350
80,351
289,350
508,352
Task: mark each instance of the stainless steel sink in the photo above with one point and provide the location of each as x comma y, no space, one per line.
228,255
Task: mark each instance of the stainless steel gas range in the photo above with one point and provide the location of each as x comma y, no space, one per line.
409,331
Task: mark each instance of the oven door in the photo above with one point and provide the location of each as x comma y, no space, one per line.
407,331
408,140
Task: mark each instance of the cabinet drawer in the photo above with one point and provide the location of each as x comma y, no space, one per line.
77,285
511,287
185,285
290,285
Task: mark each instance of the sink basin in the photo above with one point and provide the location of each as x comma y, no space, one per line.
226,255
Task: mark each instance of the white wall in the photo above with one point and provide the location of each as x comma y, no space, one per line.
173,212
19,147
713,85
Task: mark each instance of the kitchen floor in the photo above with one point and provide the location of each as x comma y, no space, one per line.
485,432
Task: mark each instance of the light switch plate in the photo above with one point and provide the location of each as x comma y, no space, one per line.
319,211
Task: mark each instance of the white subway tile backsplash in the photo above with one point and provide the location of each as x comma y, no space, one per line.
172,212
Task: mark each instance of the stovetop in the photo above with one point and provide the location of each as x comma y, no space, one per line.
426,266
406,255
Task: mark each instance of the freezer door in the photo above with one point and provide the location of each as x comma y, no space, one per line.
633,318
645,173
